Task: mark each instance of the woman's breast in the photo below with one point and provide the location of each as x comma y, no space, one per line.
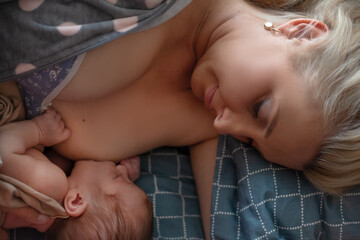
131,122
109,128
118,106
113,66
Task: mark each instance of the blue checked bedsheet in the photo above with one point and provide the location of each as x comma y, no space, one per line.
255,199
252,199
168,180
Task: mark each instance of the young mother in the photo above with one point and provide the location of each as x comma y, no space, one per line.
274,87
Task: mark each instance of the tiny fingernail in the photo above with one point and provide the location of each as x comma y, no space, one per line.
43,218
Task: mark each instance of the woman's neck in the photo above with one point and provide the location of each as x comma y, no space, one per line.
216,15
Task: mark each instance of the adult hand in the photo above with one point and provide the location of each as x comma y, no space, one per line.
26,217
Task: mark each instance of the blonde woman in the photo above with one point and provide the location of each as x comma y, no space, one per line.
284,82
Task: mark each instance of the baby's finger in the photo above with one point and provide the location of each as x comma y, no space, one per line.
133,166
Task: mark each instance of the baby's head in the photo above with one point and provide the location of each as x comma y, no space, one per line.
106,219
103,204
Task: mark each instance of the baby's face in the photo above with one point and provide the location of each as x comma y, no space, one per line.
113,179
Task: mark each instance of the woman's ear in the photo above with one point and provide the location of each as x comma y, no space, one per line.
304,29
75,203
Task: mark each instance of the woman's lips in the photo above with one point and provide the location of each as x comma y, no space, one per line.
209,97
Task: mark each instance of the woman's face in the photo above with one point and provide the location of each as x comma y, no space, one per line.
246,80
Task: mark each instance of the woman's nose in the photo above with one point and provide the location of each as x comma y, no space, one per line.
244,139
223,122
232,123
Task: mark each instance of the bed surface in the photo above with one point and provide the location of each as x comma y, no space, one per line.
252,199
255,199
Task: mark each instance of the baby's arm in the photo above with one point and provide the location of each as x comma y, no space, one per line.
18,137
203,159
46,129
20,158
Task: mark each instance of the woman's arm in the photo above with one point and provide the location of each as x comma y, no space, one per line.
203,159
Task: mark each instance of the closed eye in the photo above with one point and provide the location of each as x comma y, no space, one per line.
257,106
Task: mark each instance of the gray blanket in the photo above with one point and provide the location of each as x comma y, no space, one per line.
39,33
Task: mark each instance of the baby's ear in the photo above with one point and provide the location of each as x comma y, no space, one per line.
75,203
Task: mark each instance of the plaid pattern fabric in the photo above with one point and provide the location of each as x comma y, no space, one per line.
255,199
168,180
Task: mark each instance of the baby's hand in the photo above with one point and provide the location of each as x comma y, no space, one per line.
51,128
133,166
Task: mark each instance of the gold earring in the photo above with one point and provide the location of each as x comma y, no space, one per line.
270,27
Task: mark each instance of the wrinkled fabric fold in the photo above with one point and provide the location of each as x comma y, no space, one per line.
10,109
15,194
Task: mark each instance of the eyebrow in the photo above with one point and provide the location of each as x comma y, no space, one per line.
272,124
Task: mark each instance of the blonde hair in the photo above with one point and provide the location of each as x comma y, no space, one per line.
104,219
332,73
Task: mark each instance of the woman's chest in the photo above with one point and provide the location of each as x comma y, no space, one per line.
127,100
133,121
123,119
147,56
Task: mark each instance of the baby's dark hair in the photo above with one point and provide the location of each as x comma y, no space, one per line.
104,220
